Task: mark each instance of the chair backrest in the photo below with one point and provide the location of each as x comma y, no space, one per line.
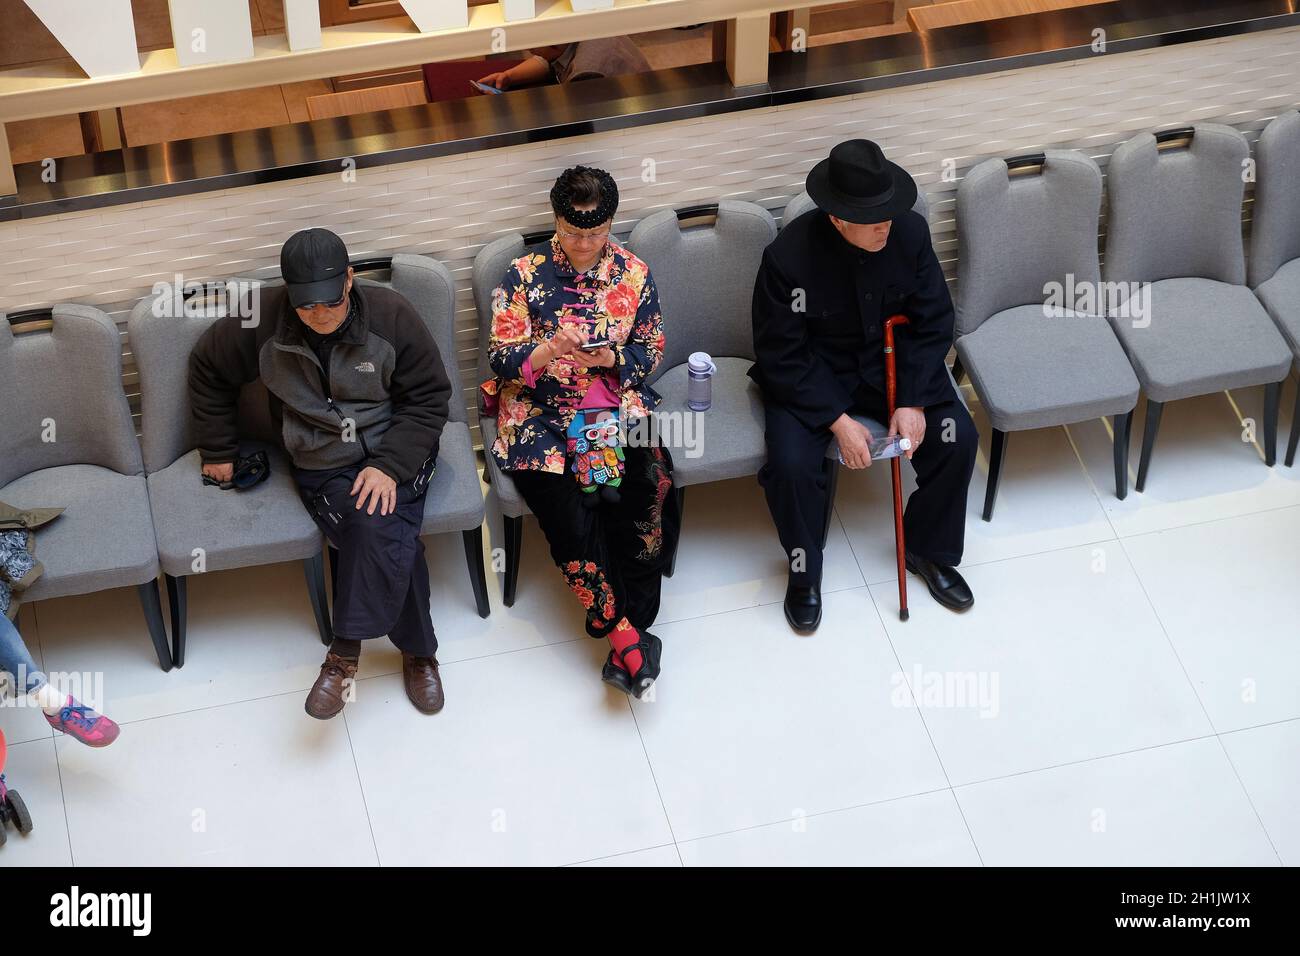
1275,233
1021,224
162,346
704,261
162,342
61,398
1176,212
490,267
427,284
801,203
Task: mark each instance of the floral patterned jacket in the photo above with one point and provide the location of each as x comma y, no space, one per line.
614,299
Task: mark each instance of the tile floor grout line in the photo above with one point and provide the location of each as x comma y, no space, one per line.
655,779
1250,800
615,856
1205,521
880,616
819,813
347,729
1082,760
1205,710
54,742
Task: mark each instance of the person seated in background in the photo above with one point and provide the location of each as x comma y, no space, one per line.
361,395
824,287
584,60
576,327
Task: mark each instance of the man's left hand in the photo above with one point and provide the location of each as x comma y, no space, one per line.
910,423
377,488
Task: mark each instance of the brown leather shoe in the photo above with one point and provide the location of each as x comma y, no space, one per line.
326,697
423,685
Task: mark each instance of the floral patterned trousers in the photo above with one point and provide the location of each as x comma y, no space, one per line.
612,556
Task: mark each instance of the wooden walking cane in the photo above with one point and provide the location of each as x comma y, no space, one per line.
895,465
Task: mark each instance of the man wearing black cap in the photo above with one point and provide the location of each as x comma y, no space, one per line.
825,286
361,395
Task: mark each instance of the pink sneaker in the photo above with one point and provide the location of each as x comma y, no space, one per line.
82,723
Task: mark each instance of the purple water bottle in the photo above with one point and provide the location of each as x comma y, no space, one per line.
699,383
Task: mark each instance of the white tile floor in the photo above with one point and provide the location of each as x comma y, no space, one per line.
1126,690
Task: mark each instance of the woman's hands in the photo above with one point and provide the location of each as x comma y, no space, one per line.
567,343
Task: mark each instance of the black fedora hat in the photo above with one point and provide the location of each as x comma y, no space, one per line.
858,184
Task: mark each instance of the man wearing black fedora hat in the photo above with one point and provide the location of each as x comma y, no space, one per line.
824,288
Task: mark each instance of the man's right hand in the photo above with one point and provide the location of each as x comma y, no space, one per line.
854,439
222,472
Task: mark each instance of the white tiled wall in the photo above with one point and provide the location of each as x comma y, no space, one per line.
450,207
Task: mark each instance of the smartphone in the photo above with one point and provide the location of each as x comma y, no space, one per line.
592,346
483,87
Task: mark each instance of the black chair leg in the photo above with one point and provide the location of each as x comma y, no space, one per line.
151,601
477,576
680,494
514,528
1123,428
1149,440
831,470
1272,399
177,600
1295,430
314,570
957,370
997,454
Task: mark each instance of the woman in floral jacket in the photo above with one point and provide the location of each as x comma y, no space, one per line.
583,287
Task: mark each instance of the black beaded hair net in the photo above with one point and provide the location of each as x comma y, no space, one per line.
583,185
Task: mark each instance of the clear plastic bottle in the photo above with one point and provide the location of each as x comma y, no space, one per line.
886,447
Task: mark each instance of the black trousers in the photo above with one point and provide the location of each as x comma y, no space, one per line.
613,556
383,582
794,480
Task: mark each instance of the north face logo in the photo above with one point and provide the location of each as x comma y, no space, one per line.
366,367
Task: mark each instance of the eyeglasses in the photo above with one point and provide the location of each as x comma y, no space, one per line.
580,237
328,305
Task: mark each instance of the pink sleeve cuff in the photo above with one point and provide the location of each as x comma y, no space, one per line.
527,372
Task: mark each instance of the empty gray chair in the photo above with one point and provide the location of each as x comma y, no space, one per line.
67,440
490,267
704,260
1175,223
201,528
1024,224
1275,238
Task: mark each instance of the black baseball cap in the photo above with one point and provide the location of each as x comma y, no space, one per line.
314,263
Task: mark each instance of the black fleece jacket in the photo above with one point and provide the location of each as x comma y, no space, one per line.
382,402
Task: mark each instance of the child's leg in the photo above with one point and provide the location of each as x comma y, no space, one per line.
17,662
63,712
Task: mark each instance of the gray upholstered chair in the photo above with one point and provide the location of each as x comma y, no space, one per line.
1275,239
1024,224
490,267
264,525
454,501
704,260
68,441
1175,224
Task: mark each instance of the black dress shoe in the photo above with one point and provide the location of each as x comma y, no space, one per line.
946,586
803,607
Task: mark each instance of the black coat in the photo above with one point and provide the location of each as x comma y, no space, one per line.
816,349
